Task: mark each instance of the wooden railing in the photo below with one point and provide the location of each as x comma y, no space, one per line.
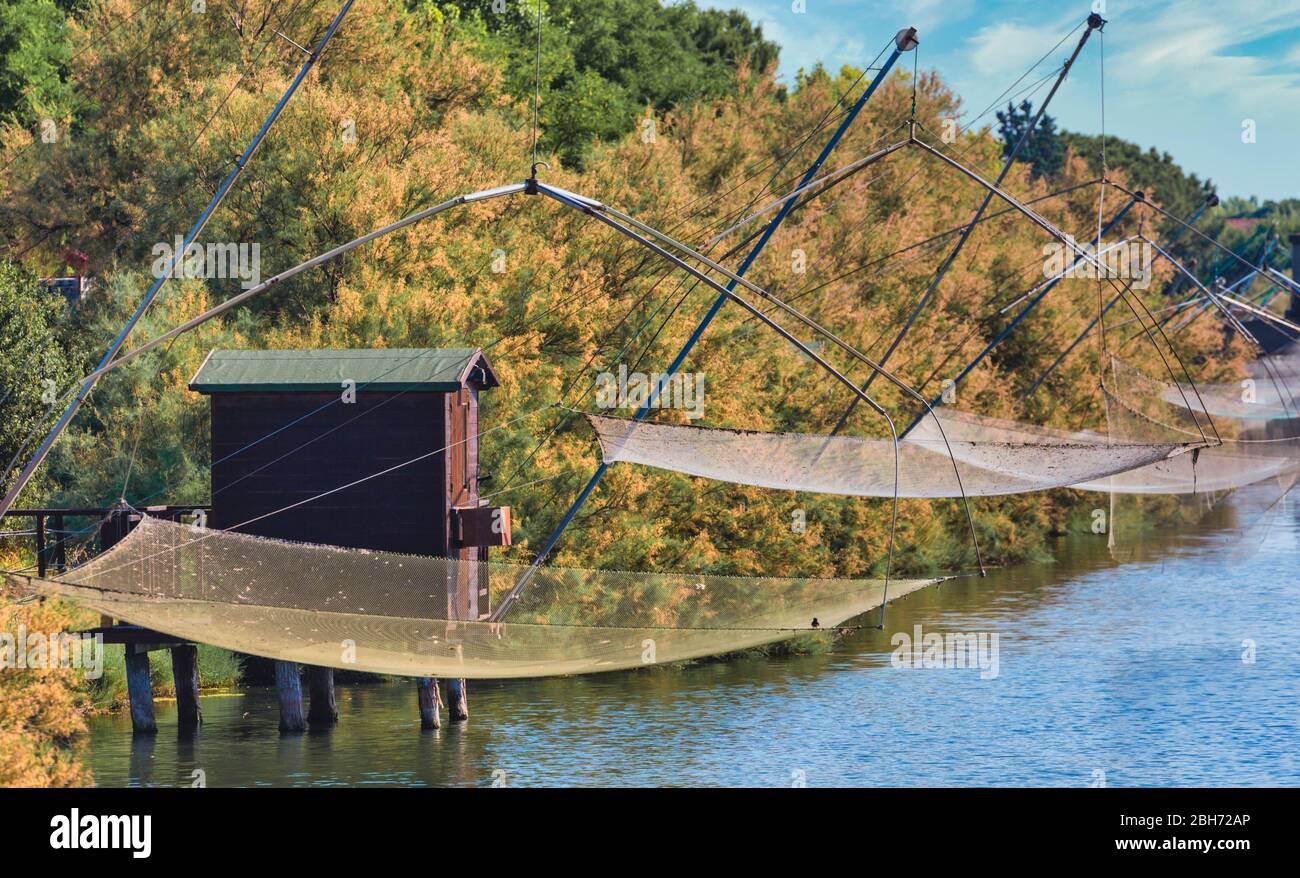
110,526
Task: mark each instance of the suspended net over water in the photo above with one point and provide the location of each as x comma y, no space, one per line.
1152,445
391,613
993,457
1267,394
1250,451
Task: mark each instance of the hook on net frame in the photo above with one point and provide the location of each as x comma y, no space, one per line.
530,185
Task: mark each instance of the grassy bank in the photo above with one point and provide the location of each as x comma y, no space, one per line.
218,669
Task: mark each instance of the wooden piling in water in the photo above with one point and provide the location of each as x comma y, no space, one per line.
322,710
289,688
185,671
427,690
457,701
139,690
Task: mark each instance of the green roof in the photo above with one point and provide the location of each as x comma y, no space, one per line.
395,369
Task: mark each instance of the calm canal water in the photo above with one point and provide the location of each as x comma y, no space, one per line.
1135,673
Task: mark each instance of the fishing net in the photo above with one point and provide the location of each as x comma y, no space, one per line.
1268,393
993,456
1206,468
1251,451
1257,461
393,614
1259,399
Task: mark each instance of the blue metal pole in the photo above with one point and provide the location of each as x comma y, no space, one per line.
157,285
905,41
1199,309
1211,201
1094,22
1088,329
1024,312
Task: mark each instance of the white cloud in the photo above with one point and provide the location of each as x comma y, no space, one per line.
1008,48
1190,48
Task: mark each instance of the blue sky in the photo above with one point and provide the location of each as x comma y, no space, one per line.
1181,75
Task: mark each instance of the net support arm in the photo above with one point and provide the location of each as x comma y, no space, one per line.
237,300
222,190
1087,330
1234,256
1030,306
1244,282
1210,295
995,190
1217,299
727,293
1071,244
1094,22
820,330
904,41
825,182
1261,313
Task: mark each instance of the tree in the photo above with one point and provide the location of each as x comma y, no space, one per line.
35,369
1043,151
413,109
33,54
1154,172
604,61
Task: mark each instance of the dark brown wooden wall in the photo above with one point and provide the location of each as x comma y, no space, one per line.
404,511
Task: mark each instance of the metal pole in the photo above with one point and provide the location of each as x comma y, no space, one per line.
1244,281
1024,312
60,544
1088,329
729,293
1095,22
25,476
592,207
265,285
904,41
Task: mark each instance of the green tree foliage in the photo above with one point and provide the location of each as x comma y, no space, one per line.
1154,172
1252,228
33,55
35,369
1245,226
605,61
1043,151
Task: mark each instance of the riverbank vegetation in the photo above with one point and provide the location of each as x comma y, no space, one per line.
42,711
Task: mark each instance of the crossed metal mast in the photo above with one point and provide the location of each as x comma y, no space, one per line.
904,41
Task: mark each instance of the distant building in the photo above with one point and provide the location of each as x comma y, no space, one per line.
70,288
1241,223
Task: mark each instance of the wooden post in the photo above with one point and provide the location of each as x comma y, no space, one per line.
427,689
457,701
289,688
40,546
322,710
60,545
139,690
185,671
